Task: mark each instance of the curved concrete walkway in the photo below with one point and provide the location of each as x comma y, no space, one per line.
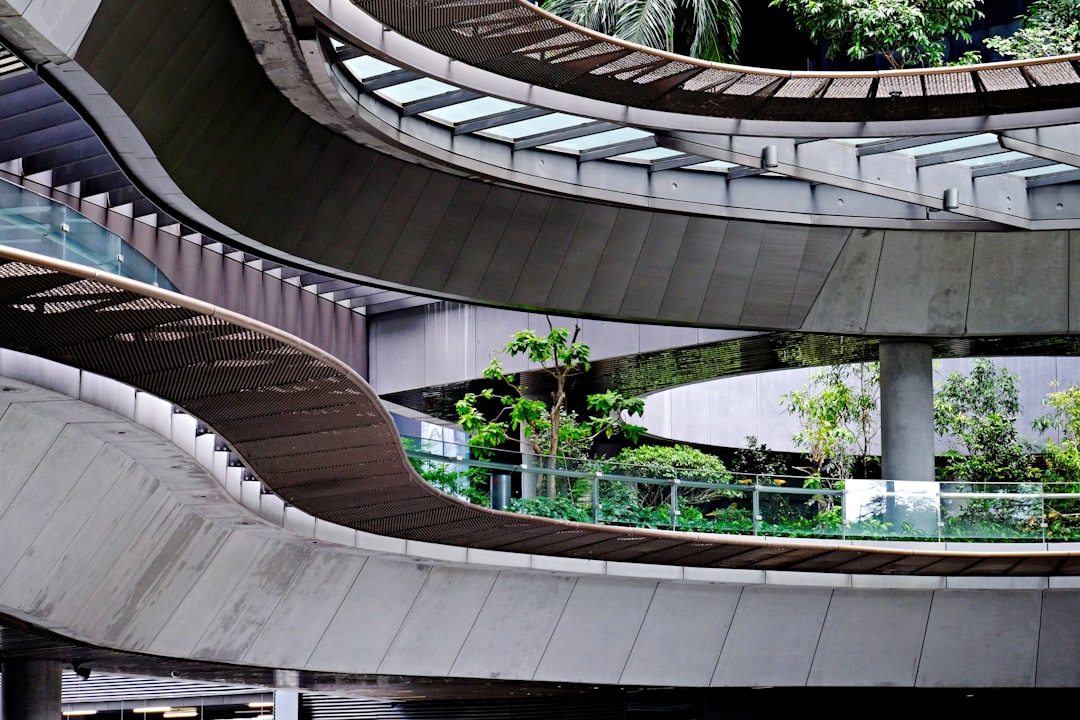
181,96
114,537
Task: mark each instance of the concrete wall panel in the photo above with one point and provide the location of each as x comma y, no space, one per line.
1019,283
514,626
598,607
868,638
773,637
681,638
843,302
1059,652
311,600
385,589
438,622
923,284
981,639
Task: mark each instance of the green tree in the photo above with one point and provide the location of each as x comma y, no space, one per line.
977,412
1050,27
547,427
705,29
1062,456
664,462
901,31
1062,459
839,417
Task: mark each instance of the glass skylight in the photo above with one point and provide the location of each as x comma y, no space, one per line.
647,156
536,126
1047,170
366,67
409,92
470,110
1001,157
949,145
599,140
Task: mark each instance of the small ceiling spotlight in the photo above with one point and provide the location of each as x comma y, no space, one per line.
951,200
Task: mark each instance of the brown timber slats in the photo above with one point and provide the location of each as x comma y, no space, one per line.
314,432
515,40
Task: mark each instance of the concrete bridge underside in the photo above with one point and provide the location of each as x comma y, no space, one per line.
114,537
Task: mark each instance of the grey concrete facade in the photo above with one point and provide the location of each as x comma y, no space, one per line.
362,212
115,537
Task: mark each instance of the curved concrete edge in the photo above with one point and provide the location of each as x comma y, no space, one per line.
114,537
615,262
371,32
212,454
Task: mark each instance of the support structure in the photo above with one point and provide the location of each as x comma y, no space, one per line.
907,410
30,690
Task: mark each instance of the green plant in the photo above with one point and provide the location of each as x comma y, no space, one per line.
839,417
706,29
667,462
468,484
547,426
977,414
901,31
1061,459
1050,27
757,459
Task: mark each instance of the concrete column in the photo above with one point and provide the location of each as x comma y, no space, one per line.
907,410
286,705
31,690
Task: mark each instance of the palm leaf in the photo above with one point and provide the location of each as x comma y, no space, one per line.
648,22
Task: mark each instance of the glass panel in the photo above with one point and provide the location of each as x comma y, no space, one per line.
1047,170
367,67
36,224
470,110
414,90
1000,157
987,511
956,144
535,126
887,509
598,140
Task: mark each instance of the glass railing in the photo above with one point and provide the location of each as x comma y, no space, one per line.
39,225
608,493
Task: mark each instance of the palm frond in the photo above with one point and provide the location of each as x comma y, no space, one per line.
599,15
648,22
717,26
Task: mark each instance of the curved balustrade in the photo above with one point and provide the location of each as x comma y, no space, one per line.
609,493
40,225
313,432
528,51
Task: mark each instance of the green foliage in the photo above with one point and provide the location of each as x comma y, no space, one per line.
469,484
561,507
658,461
902,31
838,413
706,29
547,426
1050,27
1061,459
977,413
757,459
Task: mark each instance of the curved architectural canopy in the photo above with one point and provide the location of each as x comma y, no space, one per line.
313,432
368,189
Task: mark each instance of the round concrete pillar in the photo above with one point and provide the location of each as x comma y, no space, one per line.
31,690
907,410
